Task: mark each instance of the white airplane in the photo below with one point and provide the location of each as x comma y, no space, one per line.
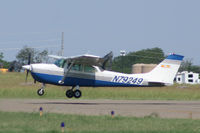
88,70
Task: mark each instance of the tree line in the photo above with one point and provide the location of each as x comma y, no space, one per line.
146,56
118,63
3,63
22,58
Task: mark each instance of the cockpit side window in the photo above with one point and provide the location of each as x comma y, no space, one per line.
76,67
82,68
89,69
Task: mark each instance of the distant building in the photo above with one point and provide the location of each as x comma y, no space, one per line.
186,77
142,68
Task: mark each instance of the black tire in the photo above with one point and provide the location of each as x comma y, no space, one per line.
69,93
77,93
40,92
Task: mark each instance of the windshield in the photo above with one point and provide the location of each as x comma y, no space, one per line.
60,63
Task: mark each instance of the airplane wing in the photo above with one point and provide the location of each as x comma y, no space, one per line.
57,57
86,59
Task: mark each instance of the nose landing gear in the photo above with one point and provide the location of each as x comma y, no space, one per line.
77,93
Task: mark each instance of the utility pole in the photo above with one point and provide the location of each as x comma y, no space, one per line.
122,54
62,44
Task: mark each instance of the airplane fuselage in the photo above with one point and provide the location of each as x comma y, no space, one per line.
52,74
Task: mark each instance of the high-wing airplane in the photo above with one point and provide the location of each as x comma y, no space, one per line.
89,70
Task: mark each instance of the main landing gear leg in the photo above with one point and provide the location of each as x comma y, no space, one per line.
77,93
40,91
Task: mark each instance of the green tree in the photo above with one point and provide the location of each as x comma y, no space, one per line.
36,56
187,65
195,68
23,55
3,63
1,56
147,56
42,56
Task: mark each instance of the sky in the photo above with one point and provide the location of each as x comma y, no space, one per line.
100,26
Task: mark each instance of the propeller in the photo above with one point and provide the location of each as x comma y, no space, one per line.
29,62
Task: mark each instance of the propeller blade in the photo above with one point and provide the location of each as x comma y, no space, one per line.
29,58
29,62
27,71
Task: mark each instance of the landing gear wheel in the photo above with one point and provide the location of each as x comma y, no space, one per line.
77,93
69,93
40,92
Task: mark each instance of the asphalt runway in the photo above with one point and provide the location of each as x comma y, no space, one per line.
138,108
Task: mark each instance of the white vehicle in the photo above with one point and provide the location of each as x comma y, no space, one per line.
88,70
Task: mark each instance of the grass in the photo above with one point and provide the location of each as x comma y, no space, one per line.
50,123
12,85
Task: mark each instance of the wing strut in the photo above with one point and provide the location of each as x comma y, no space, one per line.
66,71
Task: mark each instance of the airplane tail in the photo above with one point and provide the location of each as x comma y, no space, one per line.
165,72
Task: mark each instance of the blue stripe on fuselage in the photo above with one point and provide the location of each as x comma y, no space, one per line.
73,81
